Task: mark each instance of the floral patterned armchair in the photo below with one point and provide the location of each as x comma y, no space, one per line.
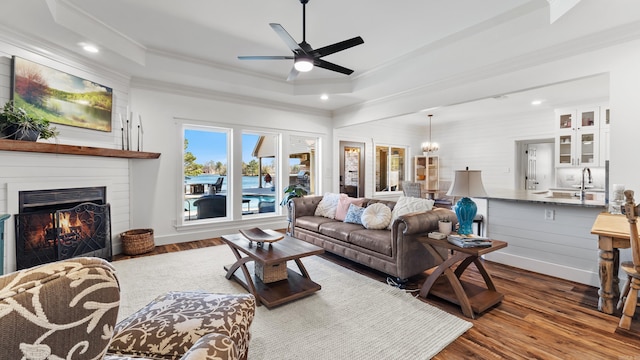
69,309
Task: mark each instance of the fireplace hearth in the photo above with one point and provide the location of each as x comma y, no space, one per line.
60,224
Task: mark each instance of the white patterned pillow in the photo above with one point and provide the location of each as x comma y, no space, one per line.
406,205
328,205
376,216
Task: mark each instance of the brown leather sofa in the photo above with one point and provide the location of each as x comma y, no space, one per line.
396,252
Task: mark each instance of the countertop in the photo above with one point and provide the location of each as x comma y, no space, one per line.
535,197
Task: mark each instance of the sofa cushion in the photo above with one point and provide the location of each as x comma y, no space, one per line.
312,223
343,206
171,324
376,216
339,230
354,215
328,205
374,240
390,204
406,205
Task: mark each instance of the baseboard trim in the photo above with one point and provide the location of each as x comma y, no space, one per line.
563,272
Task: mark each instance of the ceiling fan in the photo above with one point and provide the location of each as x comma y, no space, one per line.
304,56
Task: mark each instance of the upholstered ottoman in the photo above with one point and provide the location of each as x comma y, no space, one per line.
187,326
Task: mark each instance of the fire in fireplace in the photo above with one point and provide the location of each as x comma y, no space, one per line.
60,224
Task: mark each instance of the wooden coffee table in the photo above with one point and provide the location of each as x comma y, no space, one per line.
295,286
445,283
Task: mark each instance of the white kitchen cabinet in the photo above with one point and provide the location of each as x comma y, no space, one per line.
426,172
578,137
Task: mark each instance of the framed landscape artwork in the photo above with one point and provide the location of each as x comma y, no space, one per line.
60,97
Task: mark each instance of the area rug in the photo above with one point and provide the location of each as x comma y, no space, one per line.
352,317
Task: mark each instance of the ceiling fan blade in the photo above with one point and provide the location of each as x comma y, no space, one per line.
284,35
334,48
331,66
293,74
265,57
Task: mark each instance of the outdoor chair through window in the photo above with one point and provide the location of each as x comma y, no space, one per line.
218,185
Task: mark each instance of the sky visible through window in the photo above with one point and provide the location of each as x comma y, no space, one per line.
211,145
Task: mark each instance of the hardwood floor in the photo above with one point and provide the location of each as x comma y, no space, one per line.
541,317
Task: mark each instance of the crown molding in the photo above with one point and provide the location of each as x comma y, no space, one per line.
87,25
592,42
58,54
203,93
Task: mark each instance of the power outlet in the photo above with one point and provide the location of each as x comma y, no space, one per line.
549,214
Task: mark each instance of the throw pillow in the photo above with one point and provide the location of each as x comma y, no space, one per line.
343,206
328,205
376,216
406,205
354,214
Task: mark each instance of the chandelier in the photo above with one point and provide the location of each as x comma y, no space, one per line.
429,147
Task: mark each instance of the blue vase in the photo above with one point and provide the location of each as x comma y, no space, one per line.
465,210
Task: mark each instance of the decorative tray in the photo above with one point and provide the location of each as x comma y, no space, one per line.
261,236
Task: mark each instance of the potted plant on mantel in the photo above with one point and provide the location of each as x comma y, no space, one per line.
16,124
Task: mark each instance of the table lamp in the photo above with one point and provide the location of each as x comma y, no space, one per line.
466,183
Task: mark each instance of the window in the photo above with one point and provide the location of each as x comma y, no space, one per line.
206,158
303,162
390,168
210,192
259,173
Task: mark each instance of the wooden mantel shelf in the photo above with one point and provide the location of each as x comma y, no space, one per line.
39,147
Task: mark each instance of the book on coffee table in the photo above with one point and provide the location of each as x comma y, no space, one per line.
466,241
261,236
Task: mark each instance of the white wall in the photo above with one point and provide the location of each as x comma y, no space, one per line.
32,171
157,185
562,247
380,133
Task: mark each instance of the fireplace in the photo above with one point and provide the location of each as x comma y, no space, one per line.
60,224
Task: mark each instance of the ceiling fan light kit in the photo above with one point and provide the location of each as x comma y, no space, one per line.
304,56
303,64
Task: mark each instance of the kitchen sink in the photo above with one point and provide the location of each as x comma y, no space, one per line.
561,196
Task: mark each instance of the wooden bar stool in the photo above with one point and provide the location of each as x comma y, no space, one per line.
629,296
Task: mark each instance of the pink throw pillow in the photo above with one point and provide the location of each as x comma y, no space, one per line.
343,206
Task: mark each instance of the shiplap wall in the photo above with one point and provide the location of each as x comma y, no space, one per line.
20,170
563,247
488,144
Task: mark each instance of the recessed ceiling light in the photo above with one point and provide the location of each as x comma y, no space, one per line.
536,102
90,48
324,97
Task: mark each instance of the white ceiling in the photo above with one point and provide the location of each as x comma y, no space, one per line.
408,44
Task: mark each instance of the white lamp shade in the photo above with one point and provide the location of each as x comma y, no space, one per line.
467,183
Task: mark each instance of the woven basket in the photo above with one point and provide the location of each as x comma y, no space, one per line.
271,273
137,241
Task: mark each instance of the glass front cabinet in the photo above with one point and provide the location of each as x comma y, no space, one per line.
426,172
578,137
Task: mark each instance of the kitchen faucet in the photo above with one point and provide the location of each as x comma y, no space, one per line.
582,184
